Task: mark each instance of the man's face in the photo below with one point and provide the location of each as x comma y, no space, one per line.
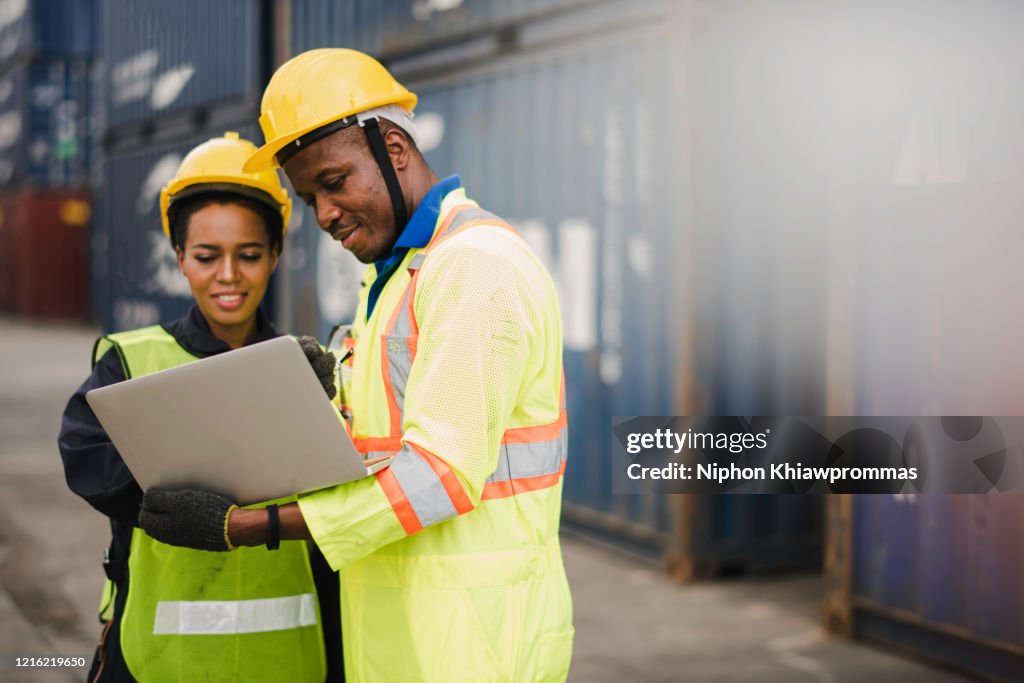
339,177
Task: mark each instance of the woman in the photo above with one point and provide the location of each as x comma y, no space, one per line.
172,613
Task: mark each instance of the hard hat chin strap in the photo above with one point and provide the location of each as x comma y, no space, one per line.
387,169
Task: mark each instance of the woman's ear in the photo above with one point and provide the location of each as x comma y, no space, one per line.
275,256
181,259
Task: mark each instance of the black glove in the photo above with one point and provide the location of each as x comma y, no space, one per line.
323,363
188,519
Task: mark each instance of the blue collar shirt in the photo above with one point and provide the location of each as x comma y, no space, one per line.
416,235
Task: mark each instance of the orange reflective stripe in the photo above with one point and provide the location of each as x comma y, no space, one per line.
383,443
548,432
447,222
448,479
489,222
511,487
393,320
399,503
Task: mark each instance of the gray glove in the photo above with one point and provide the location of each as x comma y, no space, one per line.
188,519
322,362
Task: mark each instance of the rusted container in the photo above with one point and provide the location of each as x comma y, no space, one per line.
45,237
942,576
8,262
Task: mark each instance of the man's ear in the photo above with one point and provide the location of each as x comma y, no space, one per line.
399,148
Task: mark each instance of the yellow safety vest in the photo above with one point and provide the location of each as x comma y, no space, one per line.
449,559
190,615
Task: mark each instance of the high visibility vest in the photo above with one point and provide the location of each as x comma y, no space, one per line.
473,589
191,615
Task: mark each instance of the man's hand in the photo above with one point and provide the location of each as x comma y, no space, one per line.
323,363
188,519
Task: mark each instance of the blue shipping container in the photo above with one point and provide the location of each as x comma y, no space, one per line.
386,29
942,574
136,280
33,28
44,124
163,58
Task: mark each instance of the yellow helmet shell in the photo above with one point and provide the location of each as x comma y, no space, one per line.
316,88
219,161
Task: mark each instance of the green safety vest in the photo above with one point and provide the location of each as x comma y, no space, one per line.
247,615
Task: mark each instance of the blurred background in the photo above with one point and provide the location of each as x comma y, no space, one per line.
802,207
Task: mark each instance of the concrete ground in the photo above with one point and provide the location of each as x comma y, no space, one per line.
632,624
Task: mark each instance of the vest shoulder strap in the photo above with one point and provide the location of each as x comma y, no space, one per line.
461,218
143,350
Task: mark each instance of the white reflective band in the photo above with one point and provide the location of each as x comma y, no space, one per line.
422,487
417,261
471,213
533,459
399,365
215,617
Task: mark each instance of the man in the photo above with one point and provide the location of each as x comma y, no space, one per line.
449,558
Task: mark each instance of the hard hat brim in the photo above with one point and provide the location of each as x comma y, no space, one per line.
266,156
231,188
281,205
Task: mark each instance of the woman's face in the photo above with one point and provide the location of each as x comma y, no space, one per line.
228,262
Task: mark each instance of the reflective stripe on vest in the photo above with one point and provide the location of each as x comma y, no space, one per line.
420,486
220,617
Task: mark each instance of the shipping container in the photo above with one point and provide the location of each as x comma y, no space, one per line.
52,28
8,254
932,179
45,128
45,237
722,535
939,575
389,29
180,58
136,281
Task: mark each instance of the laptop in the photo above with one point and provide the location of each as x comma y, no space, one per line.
252,424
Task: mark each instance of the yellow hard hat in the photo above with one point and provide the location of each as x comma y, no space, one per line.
319,87
216,165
